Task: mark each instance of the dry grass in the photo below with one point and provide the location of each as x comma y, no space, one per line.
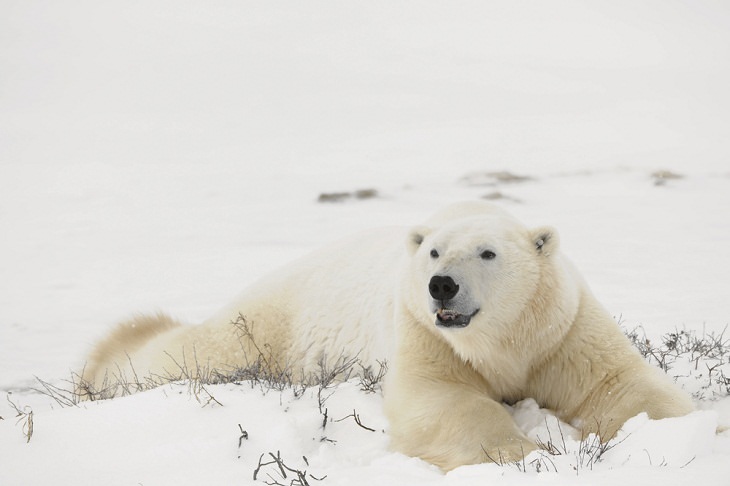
24,417
698,361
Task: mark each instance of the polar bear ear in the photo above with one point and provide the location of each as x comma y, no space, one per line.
415,237
545,240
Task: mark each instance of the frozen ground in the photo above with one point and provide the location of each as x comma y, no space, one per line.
163,155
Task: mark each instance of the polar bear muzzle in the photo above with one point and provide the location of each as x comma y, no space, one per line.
443,289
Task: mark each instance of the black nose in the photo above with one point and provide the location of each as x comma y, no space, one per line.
442,288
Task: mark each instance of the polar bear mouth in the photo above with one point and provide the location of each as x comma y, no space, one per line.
451,318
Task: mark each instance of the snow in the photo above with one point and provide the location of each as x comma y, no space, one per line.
163,155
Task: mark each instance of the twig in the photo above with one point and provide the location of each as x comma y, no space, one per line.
300,478
355,416
244,436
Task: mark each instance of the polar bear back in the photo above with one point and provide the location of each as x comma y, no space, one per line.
337,302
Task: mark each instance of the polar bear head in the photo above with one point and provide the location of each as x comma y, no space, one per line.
475,272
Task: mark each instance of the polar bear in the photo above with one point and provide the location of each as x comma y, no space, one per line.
471,309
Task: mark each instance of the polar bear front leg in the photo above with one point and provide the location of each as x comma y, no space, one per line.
636,389
451,424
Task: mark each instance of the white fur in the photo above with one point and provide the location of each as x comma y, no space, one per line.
536,331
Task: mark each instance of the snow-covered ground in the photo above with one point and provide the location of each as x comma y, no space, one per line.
163,155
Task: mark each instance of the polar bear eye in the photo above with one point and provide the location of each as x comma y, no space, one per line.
488,255
434,254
